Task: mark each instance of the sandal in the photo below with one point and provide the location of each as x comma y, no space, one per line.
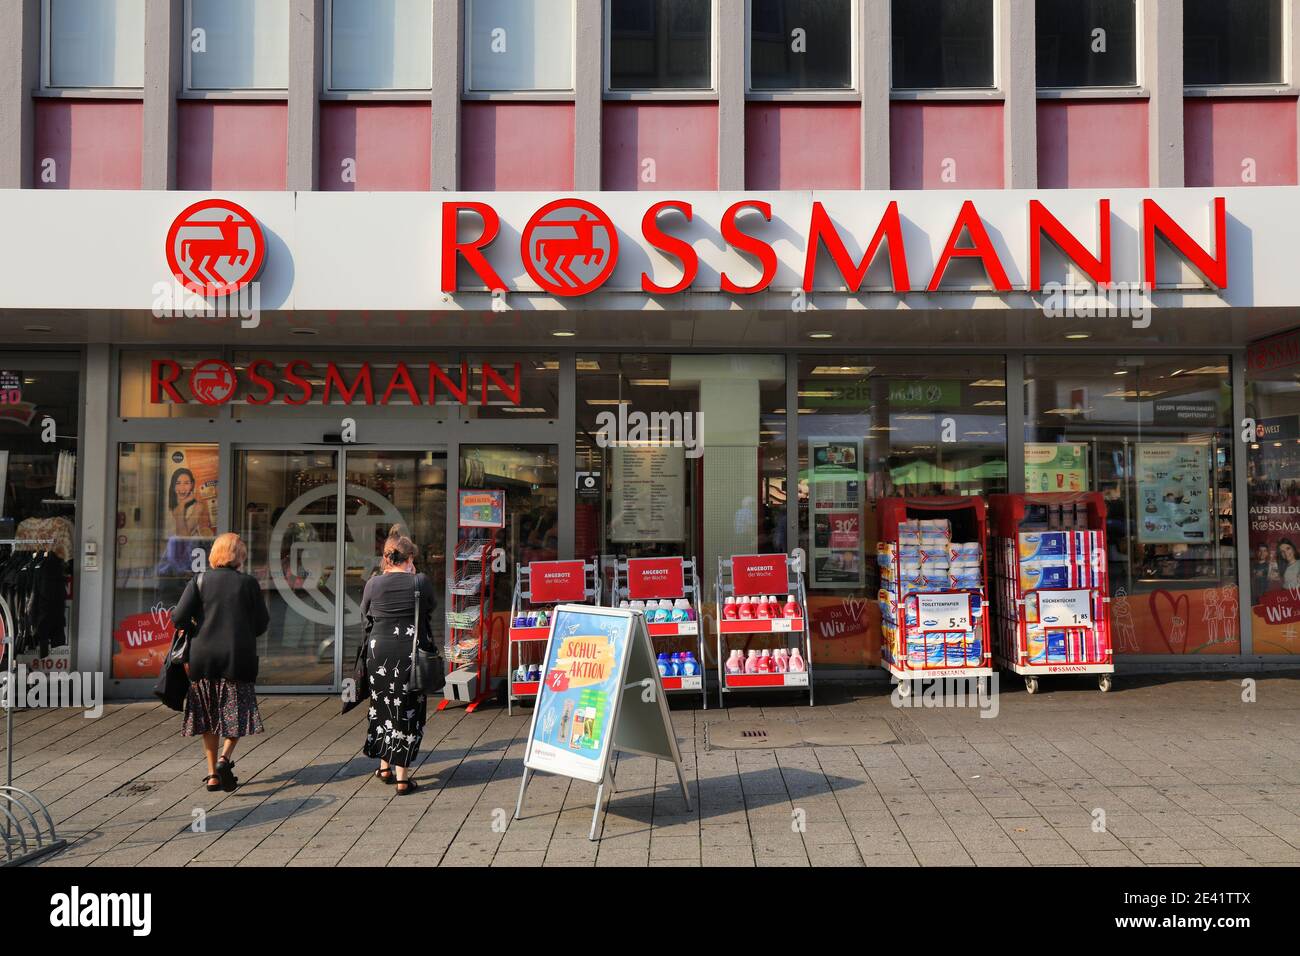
386,775
410,785
212,787
226,771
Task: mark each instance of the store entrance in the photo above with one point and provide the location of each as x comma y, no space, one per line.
314,520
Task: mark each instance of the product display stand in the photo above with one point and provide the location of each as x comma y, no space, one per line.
469,618
24,837
652,581
540,586
1051,586
746,580
932,594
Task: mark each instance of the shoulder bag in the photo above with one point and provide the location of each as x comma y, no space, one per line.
427,675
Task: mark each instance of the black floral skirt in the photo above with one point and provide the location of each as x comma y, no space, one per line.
224,707
397,715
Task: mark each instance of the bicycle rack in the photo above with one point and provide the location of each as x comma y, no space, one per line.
26,841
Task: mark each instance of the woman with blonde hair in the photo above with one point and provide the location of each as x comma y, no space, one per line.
224,610
397,713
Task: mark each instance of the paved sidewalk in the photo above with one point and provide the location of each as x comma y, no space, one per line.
1184,771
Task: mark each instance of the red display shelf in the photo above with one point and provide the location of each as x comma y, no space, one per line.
762,625
518,634
768,680
674,629
524,688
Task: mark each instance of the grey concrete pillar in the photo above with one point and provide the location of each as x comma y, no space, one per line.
1016,69
732,32
588,86
20,71
873,77
164,24
448,81
306,58
1162,57
96,517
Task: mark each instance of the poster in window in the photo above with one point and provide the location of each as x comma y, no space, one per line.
1056,466
835,506
648,494
1173,493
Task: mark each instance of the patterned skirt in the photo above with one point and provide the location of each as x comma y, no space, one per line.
397,715
224,707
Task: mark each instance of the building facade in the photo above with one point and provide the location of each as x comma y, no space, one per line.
304,269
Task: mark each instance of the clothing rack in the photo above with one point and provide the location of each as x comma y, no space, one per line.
17,804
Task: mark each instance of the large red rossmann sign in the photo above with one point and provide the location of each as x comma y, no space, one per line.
570,246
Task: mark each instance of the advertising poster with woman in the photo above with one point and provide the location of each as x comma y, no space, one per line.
172,513
1275,572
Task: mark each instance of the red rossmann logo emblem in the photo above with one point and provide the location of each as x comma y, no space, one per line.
213,381
215,247
569,247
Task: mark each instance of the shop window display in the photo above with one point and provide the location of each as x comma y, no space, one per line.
1153,435
680,456
876,427
166,521
38,479
1273,476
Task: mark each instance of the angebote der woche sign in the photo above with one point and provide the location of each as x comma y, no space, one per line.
600,692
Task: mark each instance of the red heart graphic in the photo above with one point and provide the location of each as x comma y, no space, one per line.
1173,629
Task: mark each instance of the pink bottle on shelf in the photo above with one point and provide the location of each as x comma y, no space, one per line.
780,661
762,609
751,662
735,664
791,606
746,609
764,665
797,665
729,610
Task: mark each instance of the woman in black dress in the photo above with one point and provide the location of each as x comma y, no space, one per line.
231,613
396,714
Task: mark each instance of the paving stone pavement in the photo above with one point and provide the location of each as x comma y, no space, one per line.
1161,771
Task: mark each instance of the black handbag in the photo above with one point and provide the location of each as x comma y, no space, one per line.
360,690
427,675
173,684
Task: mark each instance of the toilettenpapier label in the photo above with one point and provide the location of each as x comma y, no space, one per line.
943,612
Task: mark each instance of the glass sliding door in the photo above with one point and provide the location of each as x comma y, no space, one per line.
286,510
315,521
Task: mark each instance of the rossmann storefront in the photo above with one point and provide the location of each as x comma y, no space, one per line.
641,374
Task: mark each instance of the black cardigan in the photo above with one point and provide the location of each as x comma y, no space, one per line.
232,615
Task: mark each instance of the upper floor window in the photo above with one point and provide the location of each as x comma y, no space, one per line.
1236,43
660,45
801,45
519,46
380,46
942,44
237,45
93,44
1086,43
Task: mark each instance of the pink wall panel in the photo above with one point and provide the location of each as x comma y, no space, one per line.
516,146
923,136
798,146
388,144
1085,143
95,144
1221,134
681,139
232,145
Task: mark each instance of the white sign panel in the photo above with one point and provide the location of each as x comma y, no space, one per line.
948,611
1065,608
649,494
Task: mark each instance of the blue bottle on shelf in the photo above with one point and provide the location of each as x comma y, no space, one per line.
690,666
662,663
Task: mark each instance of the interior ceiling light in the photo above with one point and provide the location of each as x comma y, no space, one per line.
843,369
564,333
988,383
821,335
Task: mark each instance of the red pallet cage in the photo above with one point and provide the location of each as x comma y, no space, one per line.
955,659
1084,648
